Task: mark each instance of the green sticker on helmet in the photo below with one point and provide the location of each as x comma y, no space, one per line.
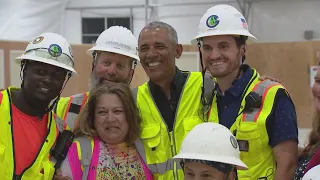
55,50
212,21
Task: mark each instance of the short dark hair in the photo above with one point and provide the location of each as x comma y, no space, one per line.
158,24
240,40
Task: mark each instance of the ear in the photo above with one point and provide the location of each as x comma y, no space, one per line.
244,49
131,72
232,175
179,50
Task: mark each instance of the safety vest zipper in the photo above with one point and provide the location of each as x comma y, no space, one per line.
169,134
18,177
175,167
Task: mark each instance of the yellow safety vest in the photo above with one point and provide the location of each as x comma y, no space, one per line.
159,144
68,108
42,168
250,128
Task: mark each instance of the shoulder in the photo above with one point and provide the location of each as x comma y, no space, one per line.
64,101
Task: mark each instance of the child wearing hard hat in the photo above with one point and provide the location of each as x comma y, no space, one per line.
203,157
312,174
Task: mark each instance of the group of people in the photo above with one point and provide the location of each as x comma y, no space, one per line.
231,124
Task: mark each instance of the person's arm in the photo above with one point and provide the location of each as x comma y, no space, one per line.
283,136
286,154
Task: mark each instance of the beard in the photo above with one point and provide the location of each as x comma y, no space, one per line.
96,81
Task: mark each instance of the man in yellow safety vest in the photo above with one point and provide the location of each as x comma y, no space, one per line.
28,128
260,114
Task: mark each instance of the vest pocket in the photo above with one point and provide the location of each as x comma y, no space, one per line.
250,144
46,171
187,124
154,144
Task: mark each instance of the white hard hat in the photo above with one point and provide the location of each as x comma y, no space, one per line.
117,39
50,48
222,20
211,142
312,174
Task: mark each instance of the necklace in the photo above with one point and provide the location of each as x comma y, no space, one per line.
118,166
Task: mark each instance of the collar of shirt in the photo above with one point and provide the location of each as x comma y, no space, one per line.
239,86
177,83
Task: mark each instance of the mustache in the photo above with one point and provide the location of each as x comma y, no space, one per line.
100,80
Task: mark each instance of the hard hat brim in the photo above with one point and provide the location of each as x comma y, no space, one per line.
97,48
46,61
312,173
251,38
221,159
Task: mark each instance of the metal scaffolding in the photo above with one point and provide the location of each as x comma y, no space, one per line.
245,6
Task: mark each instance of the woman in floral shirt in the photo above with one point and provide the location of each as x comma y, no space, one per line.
110,123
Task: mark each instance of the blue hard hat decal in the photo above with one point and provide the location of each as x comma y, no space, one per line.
55,50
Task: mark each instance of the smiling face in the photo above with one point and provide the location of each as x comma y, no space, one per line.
43,82
157,53
316,90
221,55
111,67
110,119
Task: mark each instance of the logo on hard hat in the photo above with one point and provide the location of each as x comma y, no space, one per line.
55,50
234,142
212,21
37,40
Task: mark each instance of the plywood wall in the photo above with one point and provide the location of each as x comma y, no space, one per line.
288,62
75,85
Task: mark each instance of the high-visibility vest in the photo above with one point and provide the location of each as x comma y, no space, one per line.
68,108
160,145
88,155
43,166
250,129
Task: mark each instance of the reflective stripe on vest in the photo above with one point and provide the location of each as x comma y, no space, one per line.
74,107
41,168
86,148
160,168
1,95
159,144
261,88
60,123
250,130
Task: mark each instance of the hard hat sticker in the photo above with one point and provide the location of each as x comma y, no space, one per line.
244,23
37,40
55,50
212,21
233,142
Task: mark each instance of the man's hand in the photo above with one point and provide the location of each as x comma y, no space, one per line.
58,176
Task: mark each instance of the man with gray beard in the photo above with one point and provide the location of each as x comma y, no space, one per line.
115,57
